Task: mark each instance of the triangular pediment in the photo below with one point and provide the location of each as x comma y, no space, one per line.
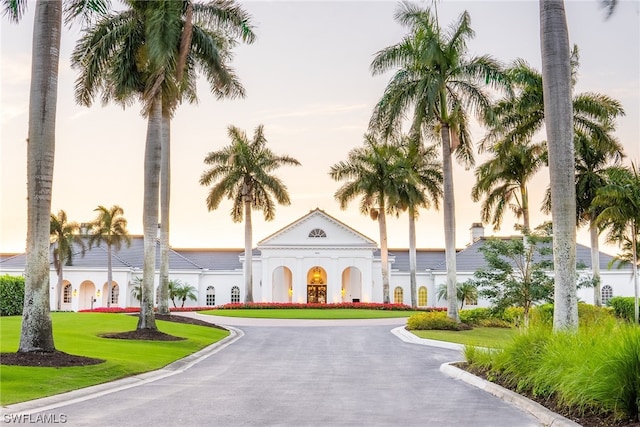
317,229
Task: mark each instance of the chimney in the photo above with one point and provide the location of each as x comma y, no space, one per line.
477,232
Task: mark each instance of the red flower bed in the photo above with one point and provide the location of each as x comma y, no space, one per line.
275,305
357,305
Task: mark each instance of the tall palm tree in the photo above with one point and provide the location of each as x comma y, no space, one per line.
516,119
110,227
64,234
594,158
162,45
375,172
243,172
36,334
558,113
442,85
421,187
619,202
503,178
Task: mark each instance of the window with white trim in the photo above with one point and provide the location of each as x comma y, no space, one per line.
607,294
211,295
235,294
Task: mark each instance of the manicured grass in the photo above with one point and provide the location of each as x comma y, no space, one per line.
310,313
77,333
482,337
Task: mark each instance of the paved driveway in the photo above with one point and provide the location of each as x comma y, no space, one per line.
346,373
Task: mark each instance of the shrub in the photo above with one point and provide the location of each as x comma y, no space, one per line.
623,307
11,295
474,316
434,320
513,315
596,369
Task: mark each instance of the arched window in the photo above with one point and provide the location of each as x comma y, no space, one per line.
211,295
398,295
317,232
235,294
66,294
115,292
607,294
422,296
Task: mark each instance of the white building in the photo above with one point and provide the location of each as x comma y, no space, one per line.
316,258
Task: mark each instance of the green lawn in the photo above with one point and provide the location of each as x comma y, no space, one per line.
482,337
77,333
310,313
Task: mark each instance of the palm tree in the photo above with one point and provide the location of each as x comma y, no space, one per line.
64,235
109,227
502,180
182,291
242,171
375,171
593,160
515,120
466,291
421,187
160,55
36,335
441,85
558,113
619,202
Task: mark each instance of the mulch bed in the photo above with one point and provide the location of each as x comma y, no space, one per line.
586,419
59,359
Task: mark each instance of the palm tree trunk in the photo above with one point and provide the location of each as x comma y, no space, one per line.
412,256
109,275
634,253
165,190
36,334
595,263
150,212
524,194
59,289
558,114
449,211
248,259
384,253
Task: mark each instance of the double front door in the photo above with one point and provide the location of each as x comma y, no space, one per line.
316,294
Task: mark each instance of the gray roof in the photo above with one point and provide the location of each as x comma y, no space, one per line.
426,259
468,259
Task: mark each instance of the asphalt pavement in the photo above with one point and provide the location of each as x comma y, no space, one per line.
272,372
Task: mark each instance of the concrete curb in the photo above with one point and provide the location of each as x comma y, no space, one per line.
74,396
542,414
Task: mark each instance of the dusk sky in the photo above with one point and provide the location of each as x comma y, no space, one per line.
308,82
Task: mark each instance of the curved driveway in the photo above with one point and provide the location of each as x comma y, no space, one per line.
337,373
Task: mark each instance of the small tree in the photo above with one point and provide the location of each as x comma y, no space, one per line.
466,291
517,272
181,291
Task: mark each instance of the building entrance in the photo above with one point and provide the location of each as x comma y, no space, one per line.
316,294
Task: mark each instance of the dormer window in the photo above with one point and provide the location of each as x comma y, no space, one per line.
317,232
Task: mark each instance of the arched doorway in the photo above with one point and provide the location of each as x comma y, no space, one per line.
351,285
87,292
115,294
281,285
316,285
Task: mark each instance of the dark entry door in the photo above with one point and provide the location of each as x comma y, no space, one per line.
316,294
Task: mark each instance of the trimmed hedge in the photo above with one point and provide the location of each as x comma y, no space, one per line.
11,295
435,320
623,307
